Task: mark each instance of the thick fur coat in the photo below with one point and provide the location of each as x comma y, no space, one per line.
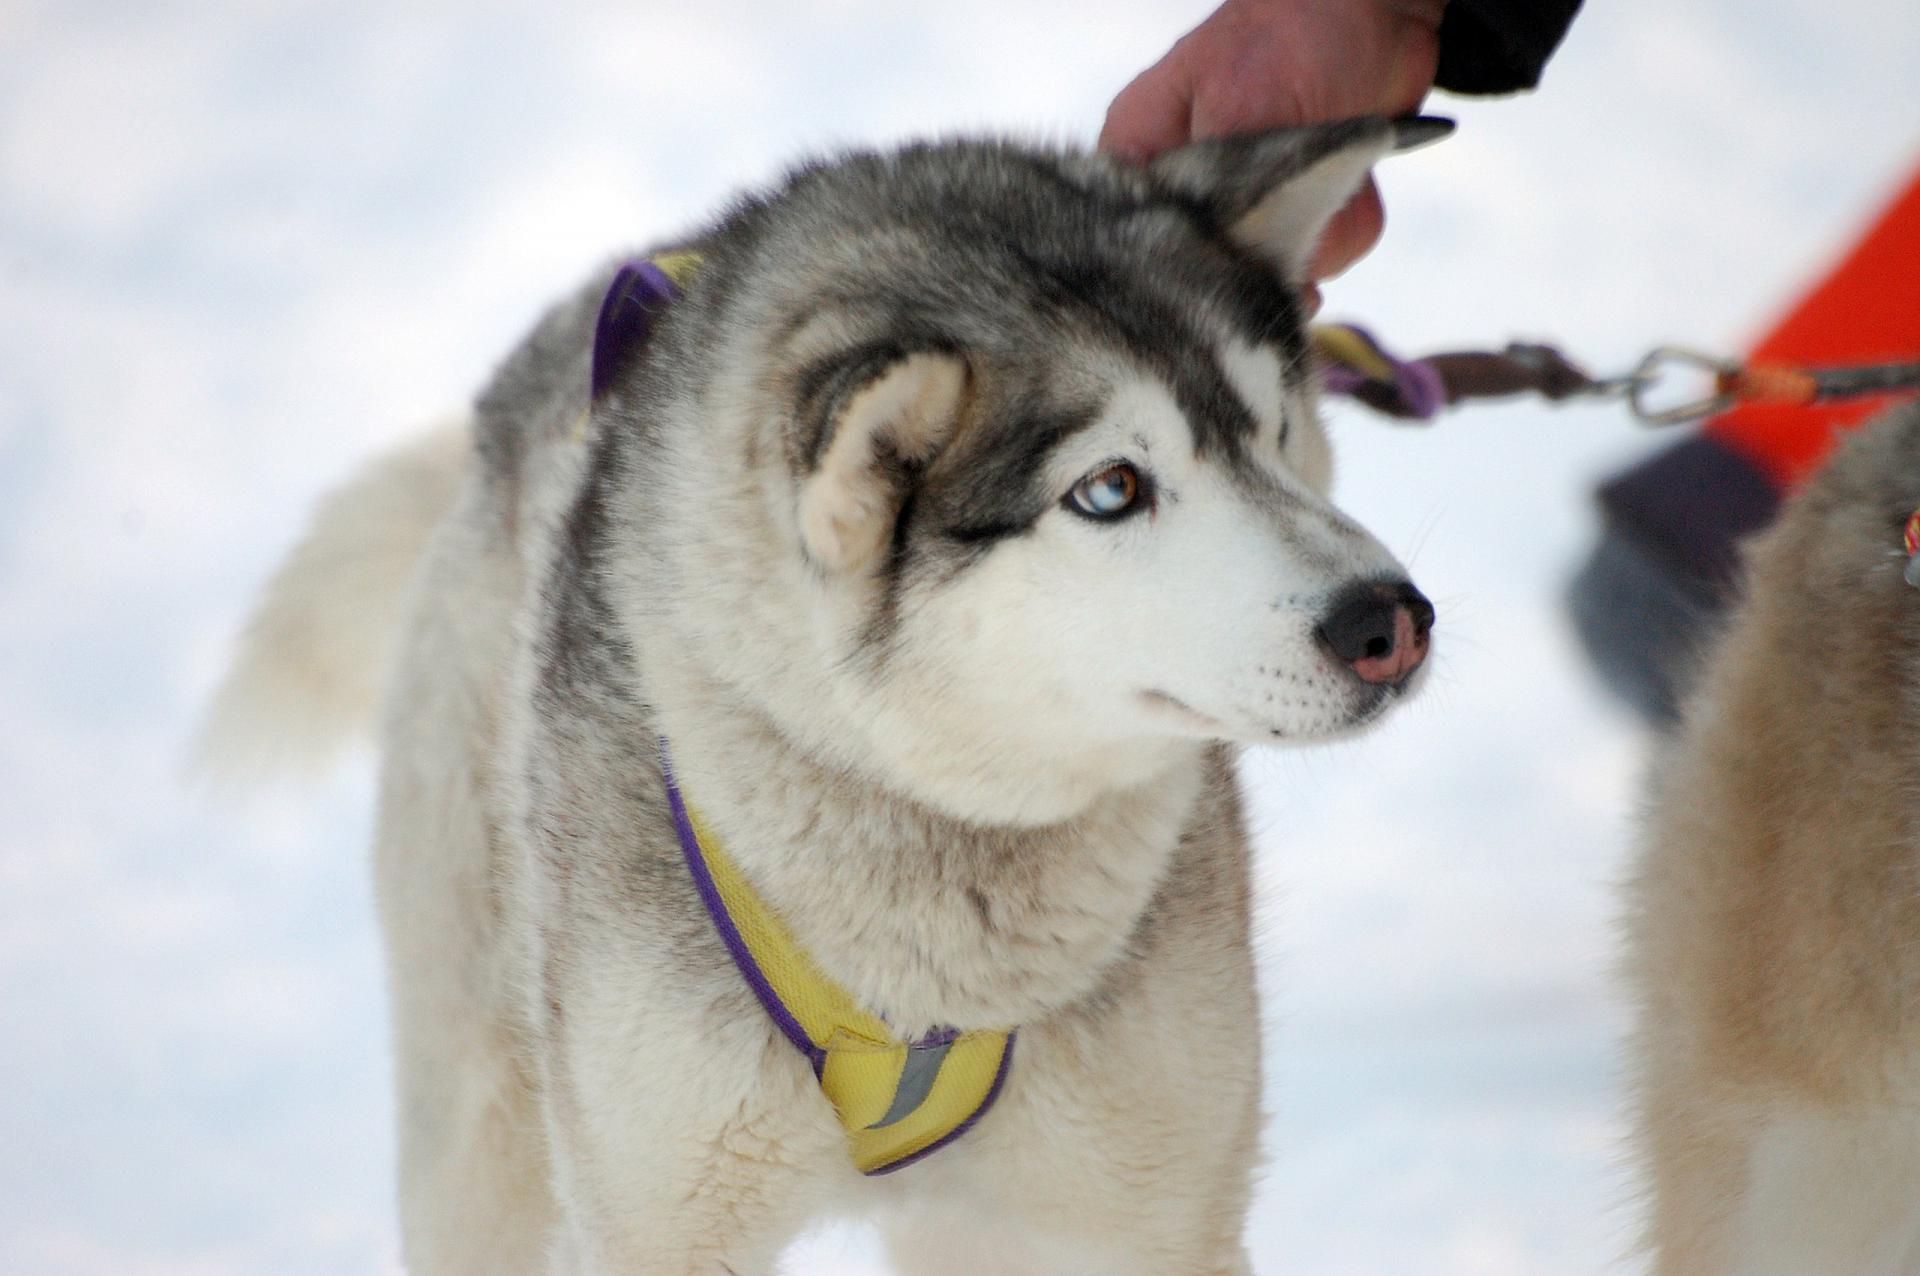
954,526
1776,923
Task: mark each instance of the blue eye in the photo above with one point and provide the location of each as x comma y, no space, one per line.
1108,492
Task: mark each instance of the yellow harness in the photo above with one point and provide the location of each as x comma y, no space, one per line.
899,1100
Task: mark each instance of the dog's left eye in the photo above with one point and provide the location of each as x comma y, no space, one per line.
1108,492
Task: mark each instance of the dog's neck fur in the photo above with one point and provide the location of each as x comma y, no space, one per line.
926,919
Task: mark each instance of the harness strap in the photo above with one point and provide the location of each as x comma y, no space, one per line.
898,1100
1354,362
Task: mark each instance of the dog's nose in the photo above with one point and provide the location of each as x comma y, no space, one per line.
1379,630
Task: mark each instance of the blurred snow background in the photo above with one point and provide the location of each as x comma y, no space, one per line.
242,245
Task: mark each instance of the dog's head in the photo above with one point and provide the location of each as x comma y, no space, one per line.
997,471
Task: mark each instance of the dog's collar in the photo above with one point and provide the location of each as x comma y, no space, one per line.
898,1100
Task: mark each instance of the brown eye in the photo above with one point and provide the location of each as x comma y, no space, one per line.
1108,492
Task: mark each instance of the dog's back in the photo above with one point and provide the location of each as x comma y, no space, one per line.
1776,926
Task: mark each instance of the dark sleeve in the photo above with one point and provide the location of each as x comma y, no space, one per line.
1499,46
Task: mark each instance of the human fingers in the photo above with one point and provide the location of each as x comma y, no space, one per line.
1350,235
1152,114
1259,64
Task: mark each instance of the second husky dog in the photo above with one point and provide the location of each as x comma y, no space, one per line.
944,516
1776,936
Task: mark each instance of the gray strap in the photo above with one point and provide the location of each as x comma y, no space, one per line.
1867,379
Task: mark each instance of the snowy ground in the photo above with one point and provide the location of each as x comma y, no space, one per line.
242,245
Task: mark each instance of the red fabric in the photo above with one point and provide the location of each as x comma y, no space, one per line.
1866,311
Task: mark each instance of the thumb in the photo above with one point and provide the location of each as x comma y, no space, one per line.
1152,114
1349,234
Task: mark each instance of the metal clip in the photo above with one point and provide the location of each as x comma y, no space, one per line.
1641,387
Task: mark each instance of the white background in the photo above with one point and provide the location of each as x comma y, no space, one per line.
242,245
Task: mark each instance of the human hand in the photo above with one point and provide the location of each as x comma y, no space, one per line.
1260,64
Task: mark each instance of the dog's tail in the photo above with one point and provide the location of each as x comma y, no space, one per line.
312,664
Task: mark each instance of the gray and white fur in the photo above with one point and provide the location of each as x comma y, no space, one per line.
829,534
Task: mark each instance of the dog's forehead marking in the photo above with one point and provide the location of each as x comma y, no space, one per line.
1142,409
1256,376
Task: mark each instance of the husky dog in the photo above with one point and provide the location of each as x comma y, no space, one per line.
1776,924
951,529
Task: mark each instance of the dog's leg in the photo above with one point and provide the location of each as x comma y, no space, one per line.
1771,1187
982,1239
1695,1153
473,1190
657,1176
686,1136
1833,1192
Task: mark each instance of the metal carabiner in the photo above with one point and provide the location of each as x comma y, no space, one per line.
1661,363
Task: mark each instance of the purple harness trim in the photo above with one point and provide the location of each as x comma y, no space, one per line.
723,922
1415,382
639,291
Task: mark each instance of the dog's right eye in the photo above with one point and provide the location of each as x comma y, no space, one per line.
1108,492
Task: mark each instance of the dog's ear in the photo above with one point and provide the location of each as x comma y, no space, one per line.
1274,192
890,416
